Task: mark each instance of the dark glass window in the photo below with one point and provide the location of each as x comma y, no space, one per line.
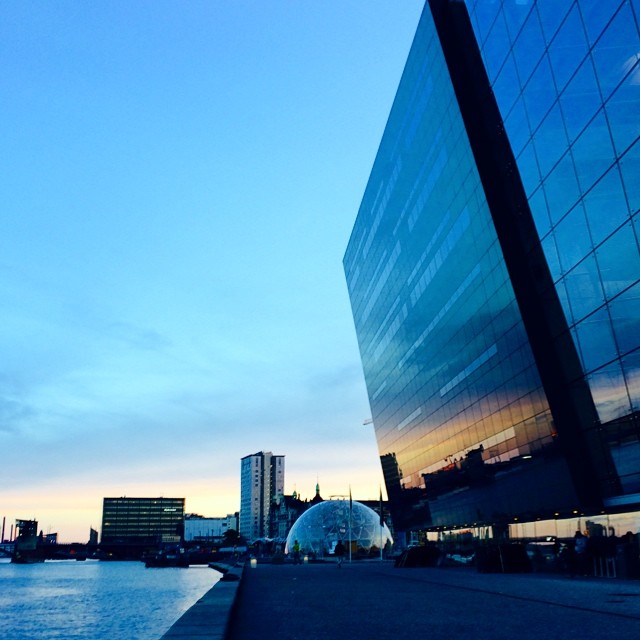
596,14
551,15
619,261
572,237
630,170
595,338
561,188
622,111
528,47
610,392
583,288
606,206
569,48
496,47
540,212
484,14
507,85
617,50
540,93
550,140
517,127
580,100
593,152
516,13
625,315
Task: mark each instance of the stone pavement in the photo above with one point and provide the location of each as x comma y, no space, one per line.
208,618
376,601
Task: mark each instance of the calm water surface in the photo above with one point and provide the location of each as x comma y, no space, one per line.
69,600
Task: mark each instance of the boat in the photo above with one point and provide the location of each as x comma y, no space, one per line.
173,557
26,549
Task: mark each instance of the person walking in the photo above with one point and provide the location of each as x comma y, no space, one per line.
339,552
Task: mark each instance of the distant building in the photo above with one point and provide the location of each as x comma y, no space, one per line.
261,482
139,521
198,528
285,510
233,521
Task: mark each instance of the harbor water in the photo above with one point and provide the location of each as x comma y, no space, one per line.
92,600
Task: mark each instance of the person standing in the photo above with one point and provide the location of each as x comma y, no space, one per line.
296,553
580,549
339,552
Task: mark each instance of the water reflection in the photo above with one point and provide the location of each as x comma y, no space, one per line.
94,600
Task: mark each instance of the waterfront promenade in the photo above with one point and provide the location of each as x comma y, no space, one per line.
376,601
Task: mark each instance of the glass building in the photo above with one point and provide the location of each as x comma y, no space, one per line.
494,267
131,521
319,529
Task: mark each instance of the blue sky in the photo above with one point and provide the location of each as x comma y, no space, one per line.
178,184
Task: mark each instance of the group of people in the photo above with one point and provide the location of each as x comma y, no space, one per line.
602,554
339,552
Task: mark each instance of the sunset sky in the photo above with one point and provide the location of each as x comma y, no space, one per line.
178,182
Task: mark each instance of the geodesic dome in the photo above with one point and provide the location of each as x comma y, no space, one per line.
319,528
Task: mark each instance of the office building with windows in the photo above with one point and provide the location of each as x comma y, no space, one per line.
261,485
494,268
142,521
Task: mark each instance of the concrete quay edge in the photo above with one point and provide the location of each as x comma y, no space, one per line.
208,618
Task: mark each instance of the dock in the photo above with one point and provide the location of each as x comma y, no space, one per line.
377,601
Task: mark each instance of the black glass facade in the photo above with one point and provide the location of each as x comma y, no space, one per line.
493,268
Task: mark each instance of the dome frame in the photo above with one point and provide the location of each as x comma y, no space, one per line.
319,529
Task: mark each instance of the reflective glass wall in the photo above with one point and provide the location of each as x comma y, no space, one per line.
462,422
566,75
465,430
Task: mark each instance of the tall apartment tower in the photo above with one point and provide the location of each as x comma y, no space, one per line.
494,267
261,482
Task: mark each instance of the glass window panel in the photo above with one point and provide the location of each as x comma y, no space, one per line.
484,14
538,205
496,47
609,392
616,51
550,140
516,13
517,127
564,301
529,47
561,188
528,167
507,86
625,315
551,254
539,93
596,340
622,109
606,206
568,48
580,100
572,238
551,15
593,152
631,368
596,14
584,289
630,170
619,261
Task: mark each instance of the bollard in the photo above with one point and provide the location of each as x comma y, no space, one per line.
253,563
305,559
